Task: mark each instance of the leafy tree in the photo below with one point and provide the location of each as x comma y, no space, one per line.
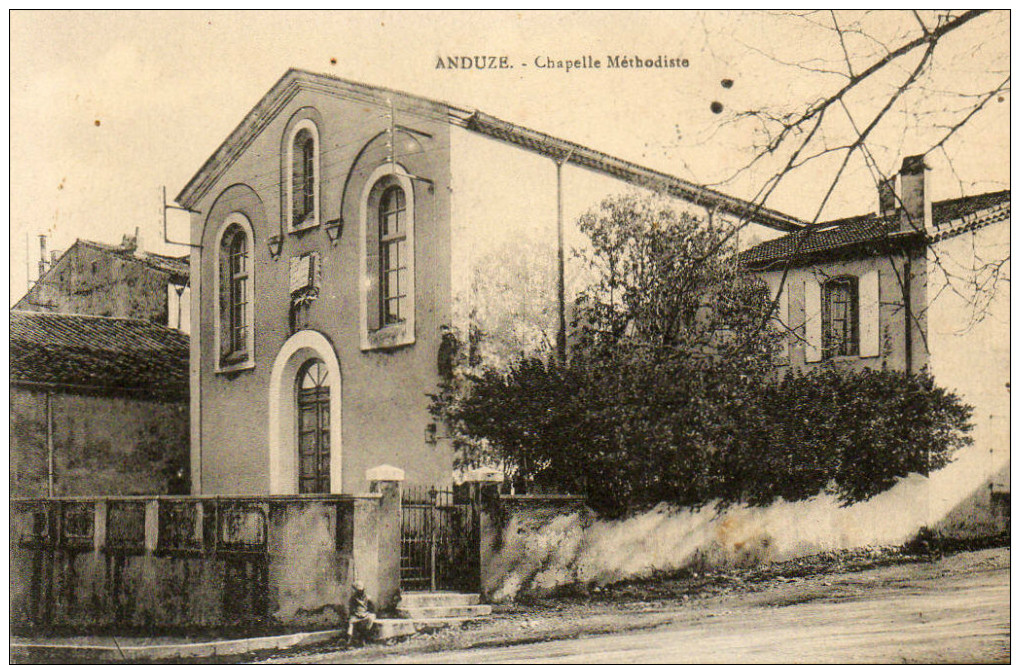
670,393
665,279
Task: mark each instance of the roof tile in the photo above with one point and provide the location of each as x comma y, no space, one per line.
98,352
860,230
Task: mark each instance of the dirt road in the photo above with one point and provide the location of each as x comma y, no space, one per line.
955,609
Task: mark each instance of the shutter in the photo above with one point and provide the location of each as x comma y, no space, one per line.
868,313
812,320
783,314
372,263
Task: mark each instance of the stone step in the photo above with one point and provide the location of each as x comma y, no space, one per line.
448,612
415,599
390,628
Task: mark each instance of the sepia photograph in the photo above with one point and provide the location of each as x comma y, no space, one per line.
509,336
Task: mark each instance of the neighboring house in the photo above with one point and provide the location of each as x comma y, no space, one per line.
341,232
104,280
99,405
918,284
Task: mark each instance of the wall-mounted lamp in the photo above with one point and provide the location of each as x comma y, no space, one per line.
275,244
335,229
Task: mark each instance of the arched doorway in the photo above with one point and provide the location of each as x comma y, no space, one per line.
304,417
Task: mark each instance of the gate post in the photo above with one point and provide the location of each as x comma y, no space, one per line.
385,480
484,484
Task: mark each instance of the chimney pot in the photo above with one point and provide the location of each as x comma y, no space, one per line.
887,197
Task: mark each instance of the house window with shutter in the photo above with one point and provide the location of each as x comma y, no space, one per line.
303,176
387,244
840,330
235,293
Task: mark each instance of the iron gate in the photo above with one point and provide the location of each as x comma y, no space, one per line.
438,540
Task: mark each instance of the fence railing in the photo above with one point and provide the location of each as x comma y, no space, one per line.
162,525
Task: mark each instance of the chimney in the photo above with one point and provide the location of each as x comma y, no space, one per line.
916,211
43,265
887,197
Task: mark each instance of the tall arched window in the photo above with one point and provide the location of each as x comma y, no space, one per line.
393,255
236,248
234,323
386,246
839,317
313,383
303,175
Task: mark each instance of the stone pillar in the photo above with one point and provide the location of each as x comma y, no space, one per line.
485,484
151,526
365,545
386,482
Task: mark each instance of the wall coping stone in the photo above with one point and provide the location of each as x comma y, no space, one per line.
484,474
384,472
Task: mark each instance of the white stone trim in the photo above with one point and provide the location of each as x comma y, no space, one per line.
398,334
288,211
241,220
283,454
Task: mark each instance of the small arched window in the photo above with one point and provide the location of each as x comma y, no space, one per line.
303,176
235,293
840,327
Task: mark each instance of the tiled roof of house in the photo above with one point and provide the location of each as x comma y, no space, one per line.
295,80
95,352
863,229
175,266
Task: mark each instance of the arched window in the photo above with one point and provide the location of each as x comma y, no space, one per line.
235,285
303,192
840,328
393,255
313,383
386,244
303,176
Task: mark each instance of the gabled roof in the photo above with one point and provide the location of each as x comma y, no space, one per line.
79,352
174,266
863,230
295,80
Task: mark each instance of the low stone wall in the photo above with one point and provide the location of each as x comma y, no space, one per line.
191,562
534,545
511,558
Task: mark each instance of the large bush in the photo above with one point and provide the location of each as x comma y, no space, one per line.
630,435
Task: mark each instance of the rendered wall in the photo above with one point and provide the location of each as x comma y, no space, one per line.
968,323
385,392
294,569
504,239
101,444
892,315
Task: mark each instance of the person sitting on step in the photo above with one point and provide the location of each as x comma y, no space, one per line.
361,616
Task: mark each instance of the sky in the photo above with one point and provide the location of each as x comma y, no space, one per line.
106,108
